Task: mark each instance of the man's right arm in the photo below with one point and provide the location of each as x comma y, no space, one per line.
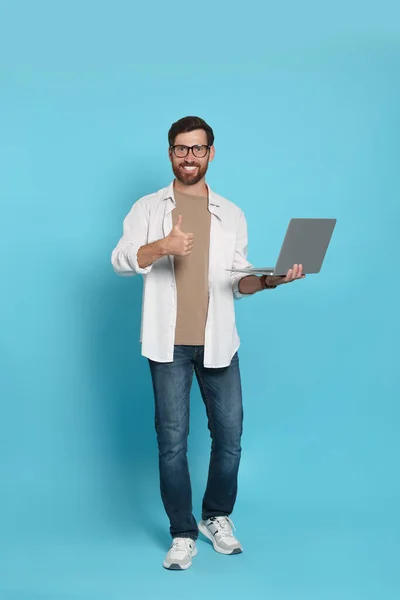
134,255
124,257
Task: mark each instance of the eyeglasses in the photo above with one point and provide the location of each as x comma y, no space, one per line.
199,151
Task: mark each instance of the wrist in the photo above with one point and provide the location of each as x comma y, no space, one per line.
163,247
264,283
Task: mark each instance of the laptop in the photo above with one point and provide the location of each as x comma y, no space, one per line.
306,242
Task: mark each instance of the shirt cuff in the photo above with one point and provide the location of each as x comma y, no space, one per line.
236,293
133,261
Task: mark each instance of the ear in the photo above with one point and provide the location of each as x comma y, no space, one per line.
212,153
170,153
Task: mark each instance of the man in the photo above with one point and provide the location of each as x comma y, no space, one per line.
184,240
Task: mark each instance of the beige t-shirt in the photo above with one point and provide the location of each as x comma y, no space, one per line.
191,272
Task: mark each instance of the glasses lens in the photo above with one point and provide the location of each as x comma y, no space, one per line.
200,151
181,151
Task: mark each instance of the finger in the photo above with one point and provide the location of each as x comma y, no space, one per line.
189,244
300,272
289,275
190,236
295,271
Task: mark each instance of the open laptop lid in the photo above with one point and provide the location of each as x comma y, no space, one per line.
306,242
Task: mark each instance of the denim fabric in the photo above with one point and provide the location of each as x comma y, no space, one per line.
222,396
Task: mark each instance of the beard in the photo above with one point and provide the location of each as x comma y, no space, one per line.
189,178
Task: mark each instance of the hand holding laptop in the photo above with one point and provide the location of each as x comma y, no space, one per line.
295,273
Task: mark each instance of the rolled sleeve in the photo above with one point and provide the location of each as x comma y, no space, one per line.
235,287
125,261
135,234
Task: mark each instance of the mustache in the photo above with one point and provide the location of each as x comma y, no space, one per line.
189,164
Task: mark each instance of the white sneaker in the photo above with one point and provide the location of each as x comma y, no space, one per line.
219,531
180,554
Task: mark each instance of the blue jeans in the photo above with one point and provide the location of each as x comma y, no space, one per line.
222,396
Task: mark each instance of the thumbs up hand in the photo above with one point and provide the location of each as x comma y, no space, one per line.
179,243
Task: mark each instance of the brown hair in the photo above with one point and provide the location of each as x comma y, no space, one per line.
190,124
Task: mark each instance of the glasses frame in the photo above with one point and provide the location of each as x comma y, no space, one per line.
190,148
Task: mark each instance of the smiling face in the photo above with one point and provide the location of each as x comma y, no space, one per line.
191,169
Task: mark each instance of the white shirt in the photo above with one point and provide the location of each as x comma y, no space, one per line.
150,220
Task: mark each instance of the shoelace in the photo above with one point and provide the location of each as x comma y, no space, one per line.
225,526
181,545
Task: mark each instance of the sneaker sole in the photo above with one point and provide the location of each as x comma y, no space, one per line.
217,548
176,567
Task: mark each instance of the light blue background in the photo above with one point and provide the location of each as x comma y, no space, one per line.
304,100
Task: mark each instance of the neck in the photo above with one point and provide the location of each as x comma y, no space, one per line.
198,189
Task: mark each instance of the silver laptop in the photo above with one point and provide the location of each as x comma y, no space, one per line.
306,242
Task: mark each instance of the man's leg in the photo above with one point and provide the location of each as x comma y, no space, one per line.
172,383
222,394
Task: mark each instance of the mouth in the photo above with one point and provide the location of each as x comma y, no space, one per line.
189,169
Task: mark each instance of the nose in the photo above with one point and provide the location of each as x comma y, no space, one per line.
190,157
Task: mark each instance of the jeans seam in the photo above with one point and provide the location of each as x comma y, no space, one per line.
189,410
203,390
